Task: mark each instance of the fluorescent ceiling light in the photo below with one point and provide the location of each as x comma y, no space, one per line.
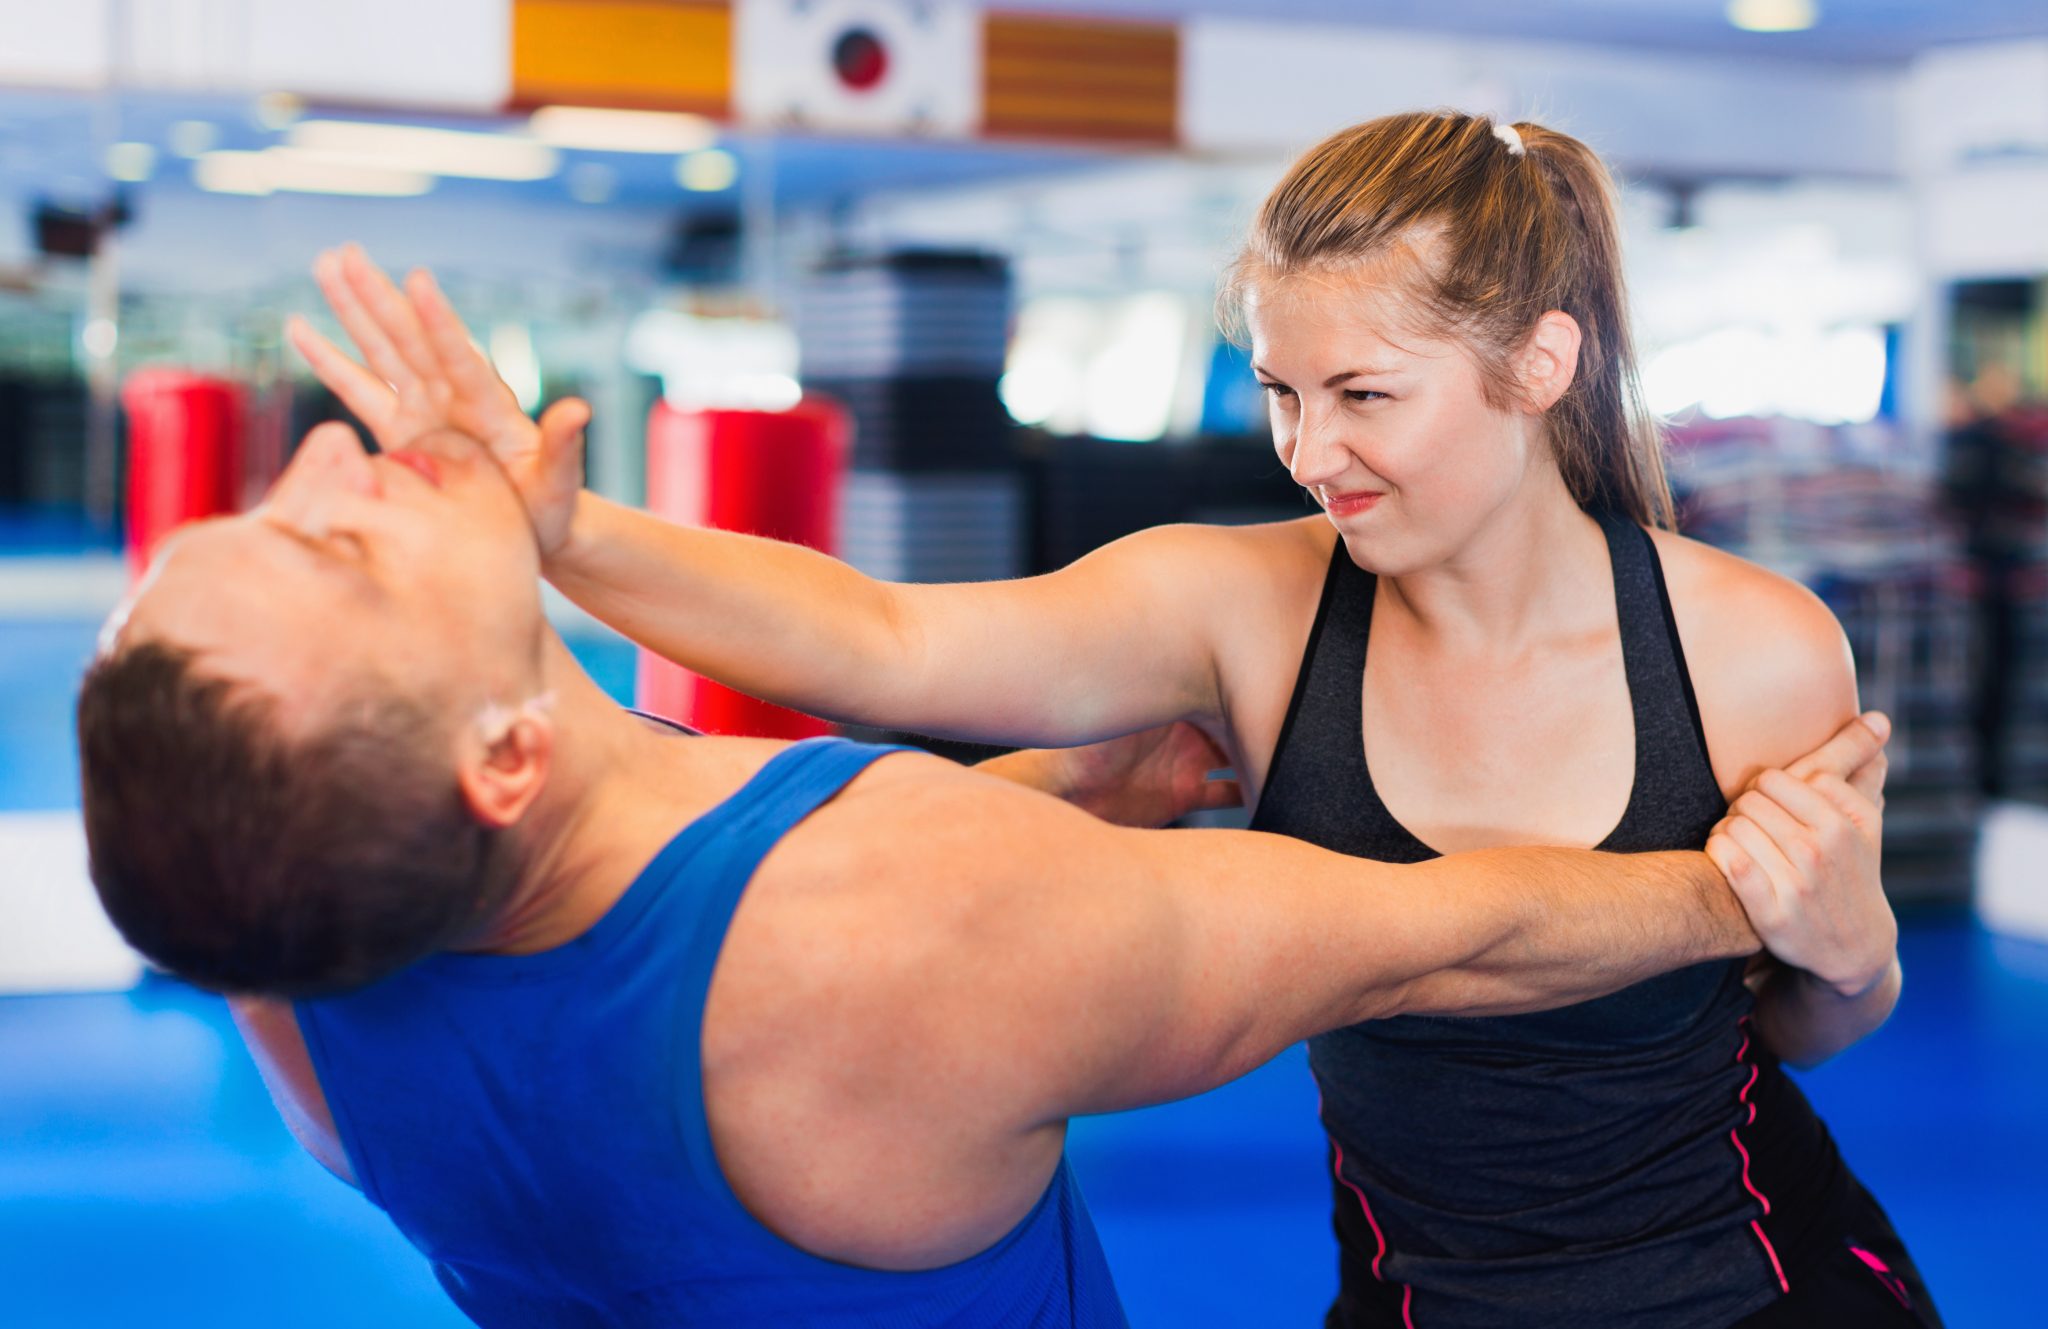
1773,15
232,173
417,148
596,130
708,171
288,171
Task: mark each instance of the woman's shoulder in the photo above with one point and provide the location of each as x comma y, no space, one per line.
1769,662
1226,564
1723,590
1292,541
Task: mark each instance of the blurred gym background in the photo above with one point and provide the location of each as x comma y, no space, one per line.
955,263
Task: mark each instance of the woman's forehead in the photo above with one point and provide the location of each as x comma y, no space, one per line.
1370,331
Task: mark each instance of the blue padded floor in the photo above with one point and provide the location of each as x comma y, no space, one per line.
145,1180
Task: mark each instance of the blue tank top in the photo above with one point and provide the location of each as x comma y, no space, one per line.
535,1124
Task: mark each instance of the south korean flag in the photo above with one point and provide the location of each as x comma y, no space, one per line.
894,67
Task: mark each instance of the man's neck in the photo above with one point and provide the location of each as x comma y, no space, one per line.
617,790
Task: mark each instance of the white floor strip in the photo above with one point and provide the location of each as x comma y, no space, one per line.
2012,870
53,936
85,587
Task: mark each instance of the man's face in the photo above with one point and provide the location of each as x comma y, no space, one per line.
417,566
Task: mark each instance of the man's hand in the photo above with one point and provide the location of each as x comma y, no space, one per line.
1146,779
1801,849
425,373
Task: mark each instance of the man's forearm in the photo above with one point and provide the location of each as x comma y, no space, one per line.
1589,924
1033,768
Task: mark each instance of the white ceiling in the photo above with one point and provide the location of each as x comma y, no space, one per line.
1852,31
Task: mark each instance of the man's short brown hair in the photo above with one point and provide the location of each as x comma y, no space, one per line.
246,861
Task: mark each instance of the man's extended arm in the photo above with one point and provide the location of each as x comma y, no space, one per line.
1062,966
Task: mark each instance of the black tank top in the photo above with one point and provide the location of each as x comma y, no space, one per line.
1638,1160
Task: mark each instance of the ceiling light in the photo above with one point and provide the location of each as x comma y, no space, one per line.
131,163
708,171
417,148
1773,15
289,171
597,130
232,173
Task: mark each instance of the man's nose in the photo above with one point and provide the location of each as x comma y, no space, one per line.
330,461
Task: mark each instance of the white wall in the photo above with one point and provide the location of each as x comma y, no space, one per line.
438,53
1264,86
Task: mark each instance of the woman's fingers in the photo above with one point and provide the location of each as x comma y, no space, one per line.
474,379
1752,885
369,397
1763,851
561,424
1218,794
1868,780
362,328
1848,800
393,313
1853,745
1794,795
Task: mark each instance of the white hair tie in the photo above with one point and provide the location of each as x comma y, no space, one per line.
1511,136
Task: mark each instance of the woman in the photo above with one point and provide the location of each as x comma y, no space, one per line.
1435,306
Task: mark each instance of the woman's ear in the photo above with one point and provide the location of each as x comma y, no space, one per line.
1549,359
504,763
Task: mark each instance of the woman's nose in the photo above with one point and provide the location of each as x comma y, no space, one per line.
1319,455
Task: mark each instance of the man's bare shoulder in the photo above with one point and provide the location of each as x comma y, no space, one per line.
1769,662
909,851
847,1100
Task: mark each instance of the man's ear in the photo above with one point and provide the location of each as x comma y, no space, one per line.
503,765
1549,359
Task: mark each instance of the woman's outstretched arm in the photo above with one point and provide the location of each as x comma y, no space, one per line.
1124,639
1121,640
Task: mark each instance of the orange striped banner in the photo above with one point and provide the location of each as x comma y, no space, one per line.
1063,78
667,55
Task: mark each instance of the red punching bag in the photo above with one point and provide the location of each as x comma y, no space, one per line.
184,453
771,473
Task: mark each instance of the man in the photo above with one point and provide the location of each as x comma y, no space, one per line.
627,1028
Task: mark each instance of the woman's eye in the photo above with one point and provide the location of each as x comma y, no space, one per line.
1278,389
1365,394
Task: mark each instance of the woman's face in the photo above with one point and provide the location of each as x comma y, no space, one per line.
1388,429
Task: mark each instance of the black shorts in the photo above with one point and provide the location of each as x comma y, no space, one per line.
1854,1271
1849,1271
